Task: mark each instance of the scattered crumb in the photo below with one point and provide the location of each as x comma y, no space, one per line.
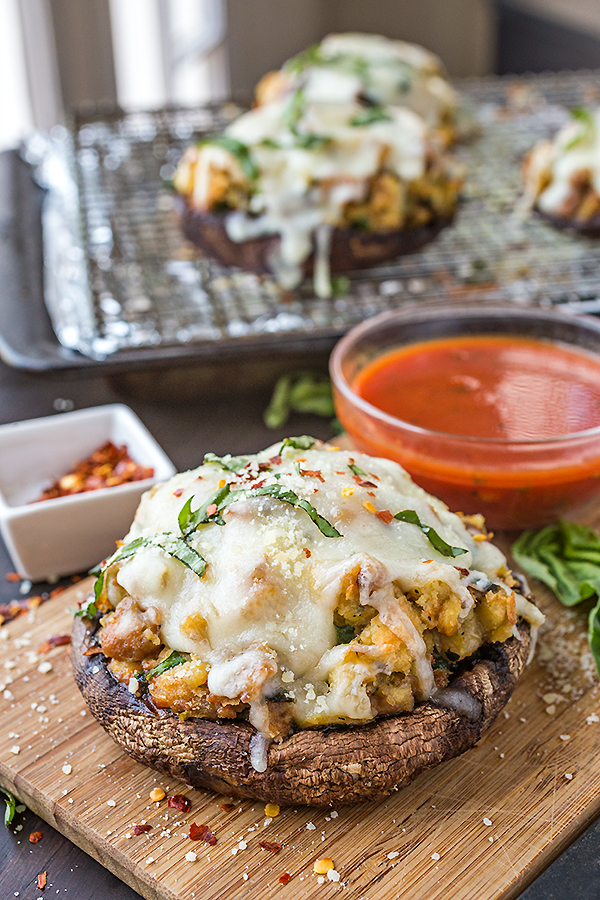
487,821
393,855
45,667
568,776
67,769
111,802
565,737
592,719
191,856
436,856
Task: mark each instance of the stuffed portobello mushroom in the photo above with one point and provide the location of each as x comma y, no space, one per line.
372,70
298,188
304,625
562,176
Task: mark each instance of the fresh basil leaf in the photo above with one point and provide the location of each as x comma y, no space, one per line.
311,141
173,659
594,633
357,470
369,115
87,611
565,556
179,549
120,553
189,521
584,116
279,493
344,634
295,110
312,56
301,392
438,662
229,463
270,143
11,806
410,516
302,442
237,149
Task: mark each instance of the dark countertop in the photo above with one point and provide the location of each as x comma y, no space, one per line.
187,420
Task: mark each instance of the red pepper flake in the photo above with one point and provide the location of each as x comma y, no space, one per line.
283,879
56,592
107,466
226,807
178,801
141,829
41,880
362,483
12,576
385,515
202,833
178,492
275,460
57,640
427,560
273,846
92,651
463,572
313,473
211,509
307,552
259,484
35,837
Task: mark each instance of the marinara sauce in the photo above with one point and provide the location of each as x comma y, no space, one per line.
514,400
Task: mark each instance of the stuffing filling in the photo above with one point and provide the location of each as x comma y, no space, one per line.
304,586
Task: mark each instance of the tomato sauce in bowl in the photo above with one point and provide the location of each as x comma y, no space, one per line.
494,410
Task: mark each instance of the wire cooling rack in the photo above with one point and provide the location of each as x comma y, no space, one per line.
121,276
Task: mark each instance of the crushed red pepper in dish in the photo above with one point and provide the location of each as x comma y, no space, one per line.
108,466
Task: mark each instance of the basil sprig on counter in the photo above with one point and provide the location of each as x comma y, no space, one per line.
566,557
11,806
302,392
410,516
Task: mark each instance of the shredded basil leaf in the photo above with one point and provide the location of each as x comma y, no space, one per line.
11,806
410,516
189,521
583,115
229,463
237,149
344,634
173,659
312,56
438,662
303,442
311,141
279,493
87,611
369,115
268,490
179,549
356,469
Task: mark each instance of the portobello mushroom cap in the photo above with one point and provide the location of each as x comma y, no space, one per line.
314,766
350,248
591,227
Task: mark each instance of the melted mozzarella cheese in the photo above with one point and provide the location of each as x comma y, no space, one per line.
273,579
553,165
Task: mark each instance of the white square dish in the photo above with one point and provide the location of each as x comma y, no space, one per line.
69,534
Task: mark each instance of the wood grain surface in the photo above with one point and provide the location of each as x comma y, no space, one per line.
486,823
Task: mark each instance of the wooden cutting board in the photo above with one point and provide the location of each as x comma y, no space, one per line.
486,823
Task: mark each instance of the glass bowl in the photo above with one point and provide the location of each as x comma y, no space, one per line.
515,483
